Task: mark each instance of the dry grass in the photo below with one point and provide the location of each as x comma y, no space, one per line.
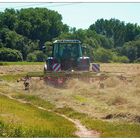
117,96
126,68
116,102
16,69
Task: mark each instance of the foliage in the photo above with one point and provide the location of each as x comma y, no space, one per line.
10,55
38,56
117,30
29,30
137,60
131,49
103,55
12,40
120,59
35,23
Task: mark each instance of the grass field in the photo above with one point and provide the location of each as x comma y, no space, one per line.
21,63
107,129
114,110
24,120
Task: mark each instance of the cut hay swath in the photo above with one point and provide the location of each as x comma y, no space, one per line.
59,78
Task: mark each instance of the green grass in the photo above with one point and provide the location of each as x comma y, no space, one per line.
113,129
107,129
34,100
15,77
24,120
21,63
80,98
11,77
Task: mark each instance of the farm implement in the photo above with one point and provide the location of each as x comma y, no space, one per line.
68,61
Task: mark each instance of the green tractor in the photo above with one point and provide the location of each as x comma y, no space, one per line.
67,56
67,61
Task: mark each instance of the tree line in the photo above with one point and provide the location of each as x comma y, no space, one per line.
24,32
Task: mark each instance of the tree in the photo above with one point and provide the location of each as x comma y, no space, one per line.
40,24
8,19
117,30
12,40
131,50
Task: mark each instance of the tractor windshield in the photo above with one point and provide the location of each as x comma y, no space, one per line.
67,50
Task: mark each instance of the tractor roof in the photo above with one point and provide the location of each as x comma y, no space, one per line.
67,41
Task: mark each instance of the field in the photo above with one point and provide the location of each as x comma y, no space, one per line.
110,110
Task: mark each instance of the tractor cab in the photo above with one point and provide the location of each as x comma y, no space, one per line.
67,55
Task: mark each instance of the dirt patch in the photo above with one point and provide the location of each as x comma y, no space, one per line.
82,131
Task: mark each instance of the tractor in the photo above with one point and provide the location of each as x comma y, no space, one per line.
67,56
68,60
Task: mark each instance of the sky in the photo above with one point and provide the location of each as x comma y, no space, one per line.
82,15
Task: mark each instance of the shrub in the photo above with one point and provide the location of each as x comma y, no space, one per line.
121,59
103,55
38,56
137,60
31,57
7,54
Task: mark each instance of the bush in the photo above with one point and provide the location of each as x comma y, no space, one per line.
1,45
7,54
137,60
103,55
38,56
121,59
31,57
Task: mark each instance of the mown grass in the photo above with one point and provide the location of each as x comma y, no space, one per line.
107,129
24,120
11,77
21,63
15,77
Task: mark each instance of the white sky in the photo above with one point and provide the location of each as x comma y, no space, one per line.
82,15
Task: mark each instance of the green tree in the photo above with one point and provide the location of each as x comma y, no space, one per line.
8,19
117,30
131,50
